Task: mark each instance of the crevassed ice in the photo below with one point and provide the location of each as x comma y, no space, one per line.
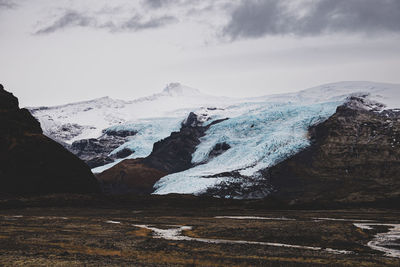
263,135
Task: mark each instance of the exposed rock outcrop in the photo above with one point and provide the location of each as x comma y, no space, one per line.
33,163
95,152
123,153
65,131
120,133
219,149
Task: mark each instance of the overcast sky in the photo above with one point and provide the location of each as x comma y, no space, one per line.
60,51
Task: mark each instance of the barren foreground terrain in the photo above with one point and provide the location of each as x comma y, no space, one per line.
174,235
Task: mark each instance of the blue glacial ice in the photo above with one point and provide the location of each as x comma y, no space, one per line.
260,135
149,131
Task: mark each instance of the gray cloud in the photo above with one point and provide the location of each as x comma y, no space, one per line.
76,19
137,23
257,18
6,4
190,5
68,19
159,3
134,16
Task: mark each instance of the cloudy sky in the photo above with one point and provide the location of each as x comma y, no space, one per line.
59,51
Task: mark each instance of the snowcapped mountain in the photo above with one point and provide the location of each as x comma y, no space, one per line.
384,93
82,120
249,135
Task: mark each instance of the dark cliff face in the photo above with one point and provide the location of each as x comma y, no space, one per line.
174,153
354,158
32,163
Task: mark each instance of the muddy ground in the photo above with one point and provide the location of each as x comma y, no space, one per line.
44,232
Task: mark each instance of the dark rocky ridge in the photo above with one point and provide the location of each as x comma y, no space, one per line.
354,158
33,163
174,153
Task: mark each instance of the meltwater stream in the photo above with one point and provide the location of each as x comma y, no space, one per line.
177,234
384,241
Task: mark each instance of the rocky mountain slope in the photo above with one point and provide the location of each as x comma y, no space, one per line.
354,158
33,163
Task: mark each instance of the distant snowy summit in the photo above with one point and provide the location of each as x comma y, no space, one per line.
177,89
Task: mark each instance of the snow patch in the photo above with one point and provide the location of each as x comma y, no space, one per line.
363,226
254,218
113,222
340,219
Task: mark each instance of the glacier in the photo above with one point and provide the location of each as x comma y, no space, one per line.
262,136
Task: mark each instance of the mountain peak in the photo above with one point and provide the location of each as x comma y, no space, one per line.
177,89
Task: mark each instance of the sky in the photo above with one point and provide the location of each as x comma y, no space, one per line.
60,51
